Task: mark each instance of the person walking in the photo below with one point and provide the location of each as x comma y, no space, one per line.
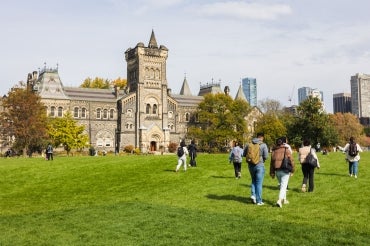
49,152
278,154
352,150
307,170
182,152
192,148
257,170
236,157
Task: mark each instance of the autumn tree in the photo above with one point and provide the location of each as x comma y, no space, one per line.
347,125
65,131
99,83
270,105
24,119
119,82
220,120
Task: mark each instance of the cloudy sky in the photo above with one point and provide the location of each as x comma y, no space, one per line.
285,44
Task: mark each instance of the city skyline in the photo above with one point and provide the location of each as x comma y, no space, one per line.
285,45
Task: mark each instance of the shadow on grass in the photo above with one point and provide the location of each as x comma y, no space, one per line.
222,177
331,174
228,198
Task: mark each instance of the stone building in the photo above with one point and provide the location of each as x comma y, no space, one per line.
145,114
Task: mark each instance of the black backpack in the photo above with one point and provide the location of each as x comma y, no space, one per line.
352,149
180,151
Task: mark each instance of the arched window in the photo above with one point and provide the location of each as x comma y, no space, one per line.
148,108
52,111
75,112
155,109
60,111
129,112
83,113
111,114
187,117
105,114
98,113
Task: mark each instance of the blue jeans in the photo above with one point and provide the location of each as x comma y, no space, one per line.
257,174
353,167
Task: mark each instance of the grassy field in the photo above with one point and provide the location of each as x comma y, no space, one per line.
140,200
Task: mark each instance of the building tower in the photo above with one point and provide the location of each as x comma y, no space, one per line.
360,100
305,92
250,90
342,103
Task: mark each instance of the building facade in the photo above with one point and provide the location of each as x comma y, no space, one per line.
305,92
249,86
360,91
342,103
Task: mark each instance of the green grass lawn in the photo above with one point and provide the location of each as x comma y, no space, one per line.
140,200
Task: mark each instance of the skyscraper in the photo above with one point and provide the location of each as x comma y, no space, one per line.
250,90
342,103
360,91
305,92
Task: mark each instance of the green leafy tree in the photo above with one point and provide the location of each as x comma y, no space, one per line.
96,83
24,120
272,127
220,120
65,131
312,123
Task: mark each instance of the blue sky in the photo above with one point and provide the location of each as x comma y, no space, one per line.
284,44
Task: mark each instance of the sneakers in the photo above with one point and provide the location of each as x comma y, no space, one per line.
260,204
278,203
253,198
355,176
285,202
304,188
239,175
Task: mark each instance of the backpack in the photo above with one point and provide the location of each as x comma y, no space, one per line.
236,152
352,149
180,151
253,154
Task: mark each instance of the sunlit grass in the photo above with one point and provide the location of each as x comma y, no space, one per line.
140,200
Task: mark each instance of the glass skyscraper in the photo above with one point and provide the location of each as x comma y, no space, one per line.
249,86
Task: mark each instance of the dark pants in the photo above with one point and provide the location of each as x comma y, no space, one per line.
308,173
193,163
237,169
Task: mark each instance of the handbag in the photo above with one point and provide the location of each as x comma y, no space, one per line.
311,160
286,164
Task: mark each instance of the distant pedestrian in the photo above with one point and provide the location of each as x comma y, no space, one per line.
192,148
236,157
352,150
257,169
182,152
278,154
307,170
49,152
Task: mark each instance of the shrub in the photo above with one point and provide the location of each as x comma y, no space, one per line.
172,147
128,148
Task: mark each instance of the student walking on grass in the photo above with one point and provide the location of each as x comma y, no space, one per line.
182,152
236,157
278,154
256,168
307,170
352,150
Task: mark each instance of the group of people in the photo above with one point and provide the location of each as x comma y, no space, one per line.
281,153
190,150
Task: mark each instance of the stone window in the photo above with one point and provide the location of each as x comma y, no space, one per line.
98,113
75,112
60,111
52,111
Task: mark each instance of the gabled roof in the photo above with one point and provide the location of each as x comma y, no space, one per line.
240,94
152,41
185,90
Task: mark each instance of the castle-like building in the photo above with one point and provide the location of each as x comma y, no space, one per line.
145,114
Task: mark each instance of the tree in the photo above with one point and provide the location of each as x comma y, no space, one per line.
96,83
221,119
347,125
24,119
272,128
312,123
270,105
65,131
119,82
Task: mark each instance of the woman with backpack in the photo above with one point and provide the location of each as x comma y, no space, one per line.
352,150
182,152
307,170
236,157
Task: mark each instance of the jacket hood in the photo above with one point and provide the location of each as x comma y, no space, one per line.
256,140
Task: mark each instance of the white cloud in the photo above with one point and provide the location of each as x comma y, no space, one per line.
242,10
